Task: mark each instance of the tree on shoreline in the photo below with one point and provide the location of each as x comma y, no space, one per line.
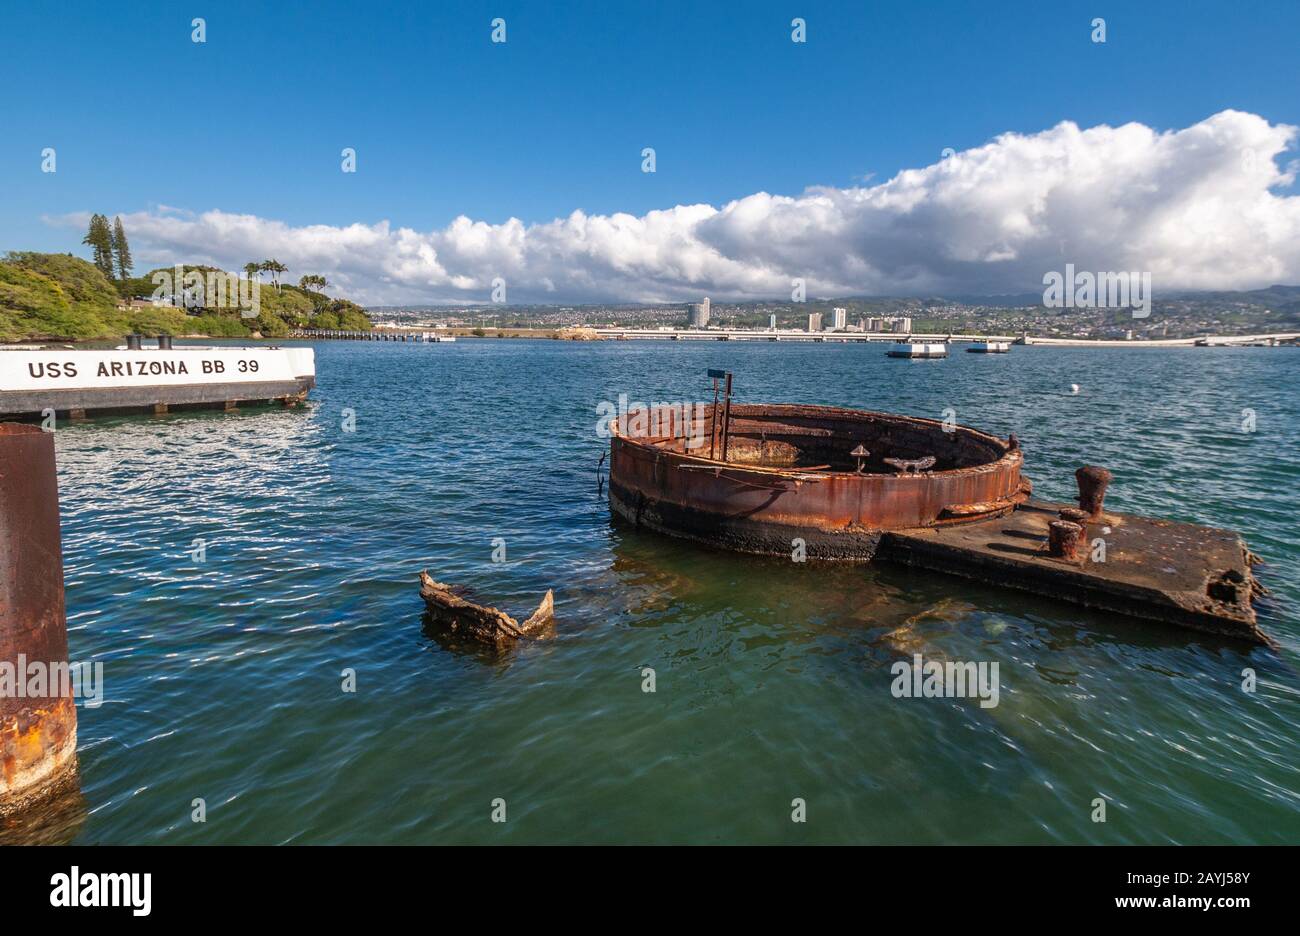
100,240
275,268
122,249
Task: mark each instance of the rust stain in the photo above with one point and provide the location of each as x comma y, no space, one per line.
37,734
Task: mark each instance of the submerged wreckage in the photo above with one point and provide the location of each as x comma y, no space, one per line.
489,625
836,483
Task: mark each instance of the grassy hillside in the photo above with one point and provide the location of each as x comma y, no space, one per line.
49,296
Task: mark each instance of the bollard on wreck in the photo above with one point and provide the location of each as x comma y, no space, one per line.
38,721
1093,482
1063,540
1075,515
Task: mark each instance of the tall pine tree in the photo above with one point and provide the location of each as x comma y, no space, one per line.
100,240
122,249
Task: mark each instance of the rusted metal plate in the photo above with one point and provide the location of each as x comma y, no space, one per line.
38,733
1180,573
791,474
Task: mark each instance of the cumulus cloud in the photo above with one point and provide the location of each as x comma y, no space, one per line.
1199,208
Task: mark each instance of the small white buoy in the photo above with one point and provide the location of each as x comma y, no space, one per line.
1074,388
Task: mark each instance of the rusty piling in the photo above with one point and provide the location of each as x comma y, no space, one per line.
1075,515
38,720
1093,482
1063,540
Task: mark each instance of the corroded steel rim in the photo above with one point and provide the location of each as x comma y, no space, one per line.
759,507
1010,457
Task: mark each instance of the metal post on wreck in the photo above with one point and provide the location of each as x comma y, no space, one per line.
713,419
726,418
717,375
38,726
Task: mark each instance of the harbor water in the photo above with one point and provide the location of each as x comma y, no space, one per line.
236,574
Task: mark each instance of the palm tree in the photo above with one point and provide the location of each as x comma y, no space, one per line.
275,268
252,269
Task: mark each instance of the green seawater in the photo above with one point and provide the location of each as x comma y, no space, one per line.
224,678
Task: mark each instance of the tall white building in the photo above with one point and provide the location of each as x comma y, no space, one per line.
839,319
771,321
697,314
901,325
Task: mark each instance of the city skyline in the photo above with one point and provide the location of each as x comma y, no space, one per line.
854,174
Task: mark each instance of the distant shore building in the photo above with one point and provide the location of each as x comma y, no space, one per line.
839,318
771,322
814,321
697,314
900,325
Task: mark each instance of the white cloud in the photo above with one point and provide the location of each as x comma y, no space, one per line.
1199,208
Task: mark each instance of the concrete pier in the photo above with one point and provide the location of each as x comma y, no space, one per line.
38,721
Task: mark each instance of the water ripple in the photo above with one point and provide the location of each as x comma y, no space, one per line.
224,668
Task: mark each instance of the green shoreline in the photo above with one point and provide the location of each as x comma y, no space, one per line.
61,298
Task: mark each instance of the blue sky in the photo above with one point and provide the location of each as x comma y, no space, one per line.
447,123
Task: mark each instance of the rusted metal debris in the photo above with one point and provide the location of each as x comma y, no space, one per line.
1182,574
1093,482
486,624
791,471
38,731
837,483
911,465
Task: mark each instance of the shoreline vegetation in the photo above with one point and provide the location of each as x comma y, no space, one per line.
61,297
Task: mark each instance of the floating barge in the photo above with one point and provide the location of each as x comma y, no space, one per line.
990,347
848,484
75,383
927,349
